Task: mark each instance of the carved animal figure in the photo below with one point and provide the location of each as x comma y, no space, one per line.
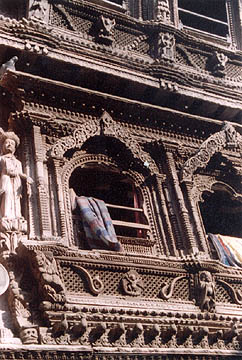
80,329
9,65
60,327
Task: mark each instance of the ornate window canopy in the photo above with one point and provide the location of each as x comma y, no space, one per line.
228,136
104,126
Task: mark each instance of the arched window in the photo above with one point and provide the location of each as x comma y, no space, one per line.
222,219
123,200
221,214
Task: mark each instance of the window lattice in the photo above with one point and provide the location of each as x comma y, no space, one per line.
77,22
124,39
74,281
222,295
233,71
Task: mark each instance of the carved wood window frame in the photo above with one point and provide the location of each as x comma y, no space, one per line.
80,160
208,184
232,23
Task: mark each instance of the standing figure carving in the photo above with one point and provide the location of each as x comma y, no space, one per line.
206,291
11,176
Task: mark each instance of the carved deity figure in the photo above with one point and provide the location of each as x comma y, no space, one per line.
38,9
46,272
11,174
218,63
166,46
105,30
206,291
132,283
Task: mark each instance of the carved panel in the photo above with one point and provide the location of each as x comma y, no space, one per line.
194,59
117,282
132,283
69,18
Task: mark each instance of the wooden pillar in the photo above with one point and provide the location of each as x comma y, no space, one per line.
190,243
156,211
197,222
33,226
43,195
58,163
165,220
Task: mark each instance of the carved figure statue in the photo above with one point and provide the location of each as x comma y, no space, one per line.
218,63
206,291
105,30
132,283
11,174
50,285
29,335
166,46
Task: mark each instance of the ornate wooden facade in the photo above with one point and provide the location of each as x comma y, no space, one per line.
123,95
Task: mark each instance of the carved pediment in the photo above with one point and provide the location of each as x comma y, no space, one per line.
106,126
227,137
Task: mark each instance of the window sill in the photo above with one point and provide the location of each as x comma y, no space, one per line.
208,37
108,5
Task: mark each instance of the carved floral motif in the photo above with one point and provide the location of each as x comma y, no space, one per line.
96,286
167,290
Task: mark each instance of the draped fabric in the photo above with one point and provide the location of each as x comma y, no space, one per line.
97,224
229,249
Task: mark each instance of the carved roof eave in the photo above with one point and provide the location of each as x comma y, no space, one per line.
139,25
30,87
50,35
142,65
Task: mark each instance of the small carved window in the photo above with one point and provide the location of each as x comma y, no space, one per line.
142,9
221,214
123,200
209,16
